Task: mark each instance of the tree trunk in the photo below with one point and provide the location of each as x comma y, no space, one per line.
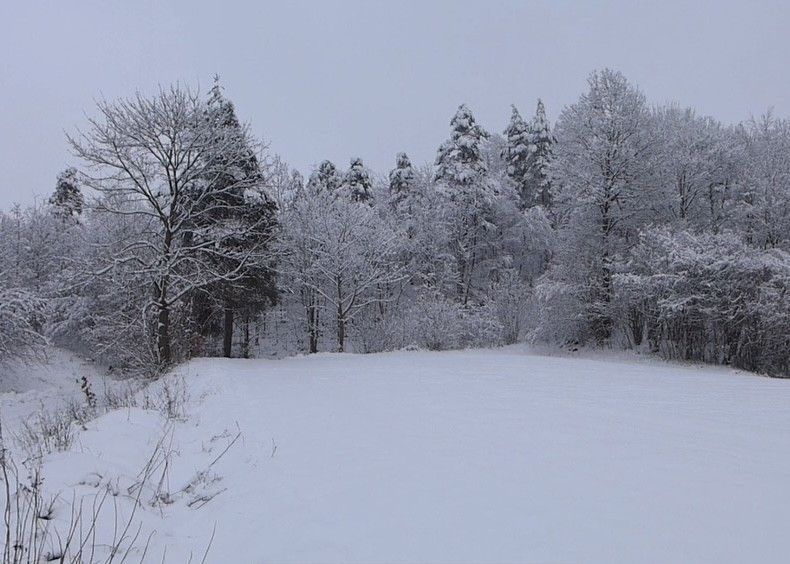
341,317
470,270
227,333
460,285
193,329
245,343
604,321
341,330
163,322
683,193
312,323
312,331
260,325
163,335
637,325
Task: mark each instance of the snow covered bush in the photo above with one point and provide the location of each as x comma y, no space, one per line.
48,431
556,312
169,396
85,526
381,329
509,297
430,322
708,297
22,316
440,324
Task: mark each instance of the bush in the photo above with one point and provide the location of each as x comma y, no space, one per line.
21,318
509,297
376,331
440,324
710,298
49,431
430,322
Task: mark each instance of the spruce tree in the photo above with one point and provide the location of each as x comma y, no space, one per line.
357,183
242,218
402,185
461,172
540,156
460,163
67,201
295,184
517,156
324,178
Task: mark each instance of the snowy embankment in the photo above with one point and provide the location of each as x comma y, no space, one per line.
477,456
50,382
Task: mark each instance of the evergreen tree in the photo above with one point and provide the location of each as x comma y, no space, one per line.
324,178
295,185
402,185
357,183
517,155
67,201
461,172
243,217
539,158
460,163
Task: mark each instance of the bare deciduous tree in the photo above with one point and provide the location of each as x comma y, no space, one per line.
340,252
160,159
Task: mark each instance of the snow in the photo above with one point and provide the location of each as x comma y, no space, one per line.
474,456
50,382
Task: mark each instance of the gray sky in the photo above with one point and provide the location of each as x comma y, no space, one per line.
334,79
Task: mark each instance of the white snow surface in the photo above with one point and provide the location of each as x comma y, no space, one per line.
473,456
49,382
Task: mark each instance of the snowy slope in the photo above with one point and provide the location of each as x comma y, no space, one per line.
477,456
51,381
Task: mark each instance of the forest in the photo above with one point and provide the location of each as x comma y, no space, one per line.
622,225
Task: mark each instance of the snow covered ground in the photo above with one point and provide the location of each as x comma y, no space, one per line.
474,456
50,382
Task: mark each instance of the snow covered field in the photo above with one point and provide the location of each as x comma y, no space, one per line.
476,456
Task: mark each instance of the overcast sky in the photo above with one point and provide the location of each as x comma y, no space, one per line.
339,79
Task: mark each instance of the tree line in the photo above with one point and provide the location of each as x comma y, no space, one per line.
621,225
